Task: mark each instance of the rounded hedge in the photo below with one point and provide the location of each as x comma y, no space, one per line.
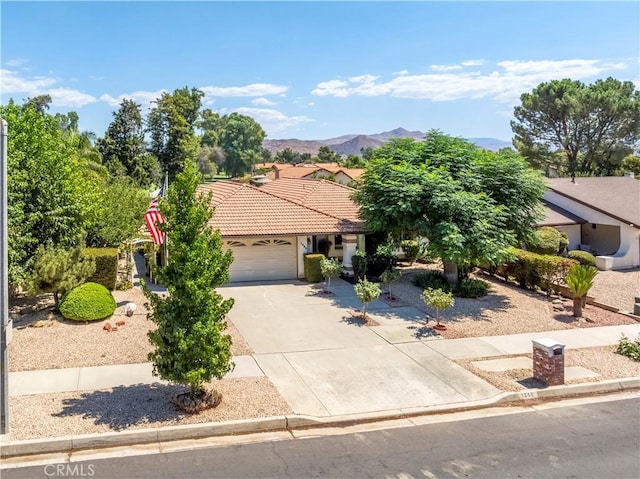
88,302
583,257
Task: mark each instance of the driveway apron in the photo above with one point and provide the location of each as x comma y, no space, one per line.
325,362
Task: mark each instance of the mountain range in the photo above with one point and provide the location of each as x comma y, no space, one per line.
353,144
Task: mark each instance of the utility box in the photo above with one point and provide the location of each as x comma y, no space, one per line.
548,361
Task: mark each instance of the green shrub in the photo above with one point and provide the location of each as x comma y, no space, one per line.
367,292
431,279
583,257
312,268
546,240
106,260
411,250
564,242
360,264
472,288
629,348
533,270
88,302
384,259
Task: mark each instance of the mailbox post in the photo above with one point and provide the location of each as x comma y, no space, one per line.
548,361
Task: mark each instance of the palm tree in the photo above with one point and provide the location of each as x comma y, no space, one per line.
580,280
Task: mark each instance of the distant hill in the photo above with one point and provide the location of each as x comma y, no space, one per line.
352,144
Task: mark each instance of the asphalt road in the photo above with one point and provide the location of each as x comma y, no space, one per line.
597,440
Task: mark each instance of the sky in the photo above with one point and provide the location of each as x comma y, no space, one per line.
315,70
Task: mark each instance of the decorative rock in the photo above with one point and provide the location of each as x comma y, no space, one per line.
113,329
557,301
119,323
129,308
39,324
107,326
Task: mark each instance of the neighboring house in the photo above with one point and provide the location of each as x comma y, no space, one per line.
607,210
270,228
564,221
331,171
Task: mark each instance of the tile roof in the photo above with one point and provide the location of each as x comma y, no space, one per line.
556,216
327,196
245,210
615,196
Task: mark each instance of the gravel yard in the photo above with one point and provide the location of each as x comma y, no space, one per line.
617,288
506,310
59,343
136,407
604,361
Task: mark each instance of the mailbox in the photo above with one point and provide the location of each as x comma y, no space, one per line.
548,361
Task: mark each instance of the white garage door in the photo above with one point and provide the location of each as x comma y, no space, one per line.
263,259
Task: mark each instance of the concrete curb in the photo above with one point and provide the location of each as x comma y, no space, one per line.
69,444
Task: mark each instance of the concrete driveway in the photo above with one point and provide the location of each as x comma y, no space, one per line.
325,363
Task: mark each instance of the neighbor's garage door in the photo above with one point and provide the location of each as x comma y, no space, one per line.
263,259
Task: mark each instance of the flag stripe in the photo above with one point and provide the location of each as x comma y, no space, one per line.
152,217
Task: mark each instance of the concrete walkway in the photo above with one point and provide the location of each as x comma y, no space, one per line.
434,355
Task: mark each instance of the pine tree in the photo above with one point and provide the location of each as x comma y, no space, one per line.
58,270
191,346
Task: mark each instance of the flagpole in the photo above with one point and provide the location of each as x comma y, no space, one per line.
165,241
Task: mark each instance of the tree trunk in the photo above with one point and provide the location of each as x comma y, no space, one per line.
451,272
577,307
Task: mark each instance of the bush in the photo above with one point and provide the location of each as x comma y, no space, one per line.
360,264
312,268
384,259
629,348
88,302
431,279
106,260
533,270
472,288
547,240
411,250
583,257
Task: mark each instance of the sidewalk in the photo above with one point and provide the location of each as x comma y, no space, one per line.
23,383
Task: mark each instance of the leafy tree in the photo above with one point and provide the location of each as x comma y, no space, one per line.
367,292
241,141
471,204
171,126
631,164
123,147
287,156
390,276
593,126
191,346
39,103
327,155
119,213
354,161
330,268
49,193
209,158
58,270
580,281
439,300
211,125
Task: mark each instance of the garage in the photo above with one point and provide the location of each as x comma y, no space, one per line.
259,259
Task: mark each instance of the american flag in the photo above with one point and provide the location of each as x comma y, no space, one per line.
153,216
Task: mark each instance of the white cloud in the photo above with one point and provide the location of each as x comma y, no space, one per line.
12,82
445,68
16,62
271,120
401,72
68,97
472,63
255,89
505,82
263,102
143,98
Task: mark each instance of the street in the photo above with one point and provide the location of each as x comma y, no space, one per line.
595,440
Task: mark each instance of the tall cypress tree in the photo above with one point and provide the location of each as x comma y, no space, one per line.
191,346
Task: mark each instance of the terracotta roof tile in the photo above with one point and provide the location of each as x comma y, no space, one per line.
244,210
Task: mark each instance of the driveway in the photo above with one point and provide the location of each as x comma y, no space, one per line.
325,364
